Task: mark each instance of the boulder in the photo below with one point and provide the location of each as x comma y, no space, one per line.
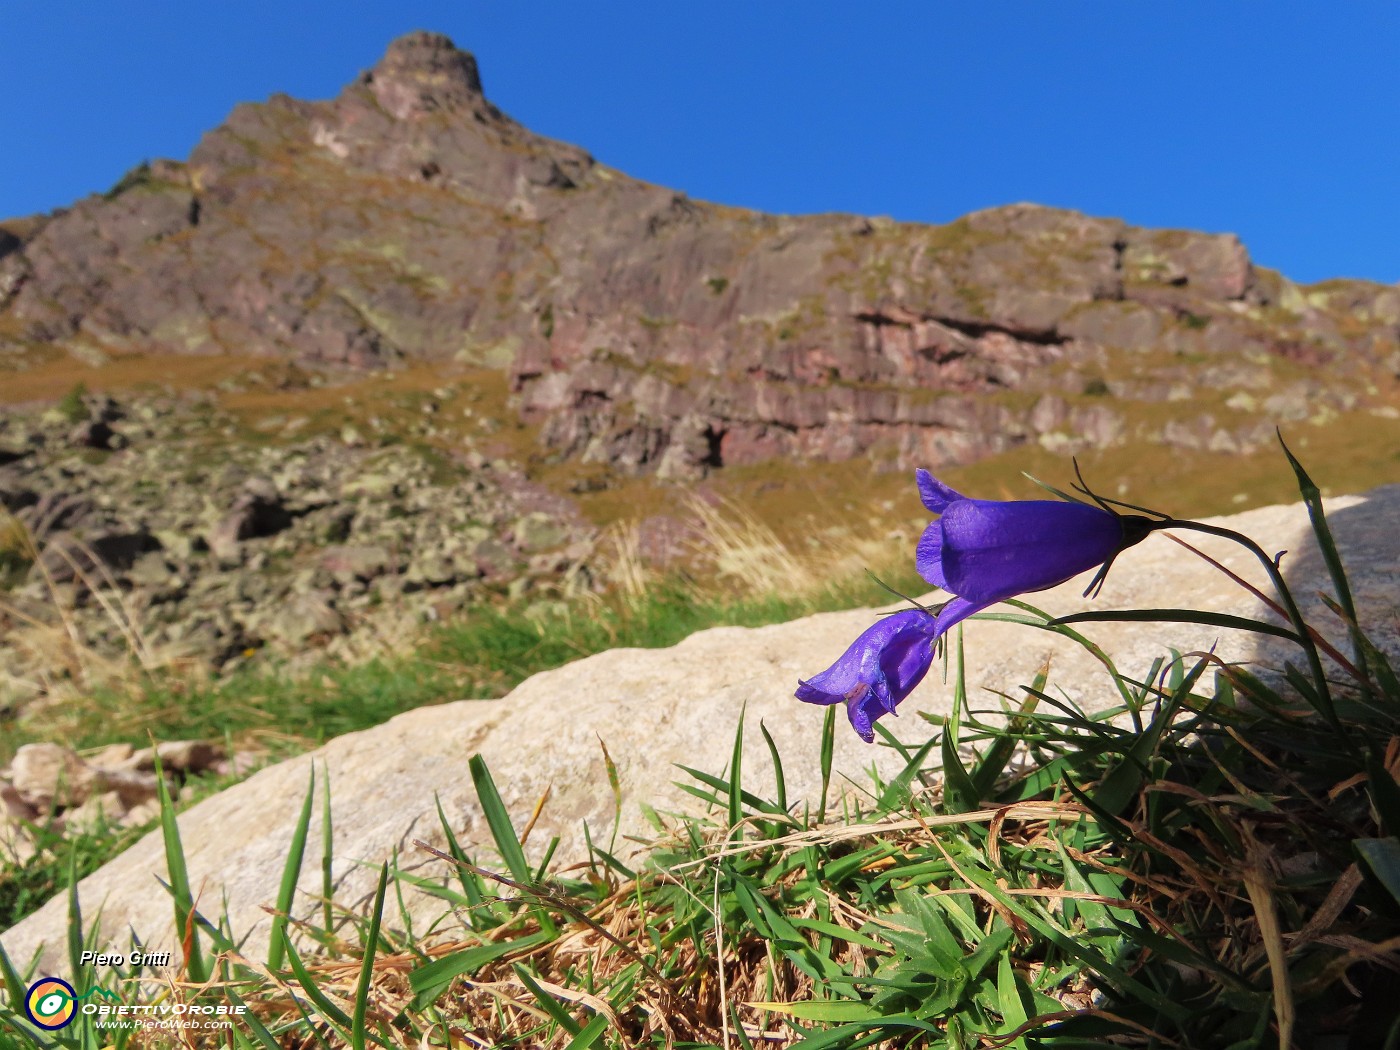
49,775
655,710
257,511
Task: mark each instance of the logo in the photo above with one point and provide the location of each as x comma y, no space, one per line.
50,1003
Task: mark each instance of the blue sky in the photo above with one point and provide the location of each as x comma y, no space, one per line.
1276,121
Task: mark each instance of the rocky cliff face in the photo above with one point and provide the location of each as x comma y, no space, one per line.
410,219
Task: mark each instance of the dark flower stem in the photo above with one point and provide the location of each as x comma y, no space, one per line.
1295,617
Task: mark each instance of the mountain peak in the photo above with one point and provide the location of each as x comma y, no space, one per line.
422,73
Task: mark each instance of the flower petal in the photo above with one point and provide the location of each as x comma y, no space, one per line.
878,671
928,556
936,495
993,550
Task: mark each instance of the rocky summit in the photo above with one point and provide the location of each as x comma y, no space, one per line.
409,219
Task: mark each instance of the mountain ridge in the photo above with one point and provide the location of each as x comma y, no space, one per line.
409,219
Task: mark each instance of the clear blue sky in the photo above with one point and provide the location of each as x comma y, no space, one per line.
1277,121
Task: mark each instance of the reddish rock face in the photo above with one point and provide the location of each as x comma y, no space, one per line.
410,219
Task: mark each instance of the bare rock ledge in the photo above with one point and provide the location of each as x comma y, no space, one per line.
657,708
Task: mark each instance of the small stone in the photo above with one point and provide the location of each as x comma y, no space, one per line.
186,756
13,807
357,561
113,756
132,786
538,531
95,434
48,775
96,812
375,486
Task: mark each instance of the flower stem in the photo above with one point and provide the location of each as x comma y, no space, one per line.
1295,617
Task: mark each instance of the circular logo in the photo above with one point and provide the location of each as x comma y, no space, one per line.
49,1003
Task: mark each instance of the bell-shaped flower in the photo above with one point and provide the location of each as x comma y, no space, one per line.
878,671
985,551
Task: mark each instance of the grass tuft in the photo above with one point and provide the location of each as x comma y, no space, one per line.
1212,864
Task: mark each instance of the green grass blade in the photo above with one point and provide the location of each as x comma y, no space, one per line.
897,790
74,929
588,1037
736,766
1312,497
959,792
777,766
502,830
1011,1007
14,984
828,754
993,763
263,1036
290,873
35,1039
726,788
357,1027
614,785
1384,792
1208,619
547,1002
327,855
311,1026
469,880
186,928
330,1013
431,980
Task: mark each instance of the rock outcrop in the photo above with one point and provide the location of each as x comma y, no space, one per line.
410,219
186,542
655,709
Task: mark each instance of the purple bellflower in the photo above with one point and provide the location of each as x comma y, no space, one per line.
985,551
879,670
981,552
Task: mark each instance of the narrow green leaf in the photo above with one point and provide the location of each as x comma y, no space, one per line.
897,791
546,1001
310,1025
250,1020
992,948
959,792
1113,974
615,784
1384,792
21,1025
327,855
14,984
330,1013
1312,497
502,830
1208,619
993,763
726,788
469,880
736,765
588,1037
179,880
839,933
290,873
777,766
431,980
74,929
1012,1009
828,754
842,1010
357,1028
1117,790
